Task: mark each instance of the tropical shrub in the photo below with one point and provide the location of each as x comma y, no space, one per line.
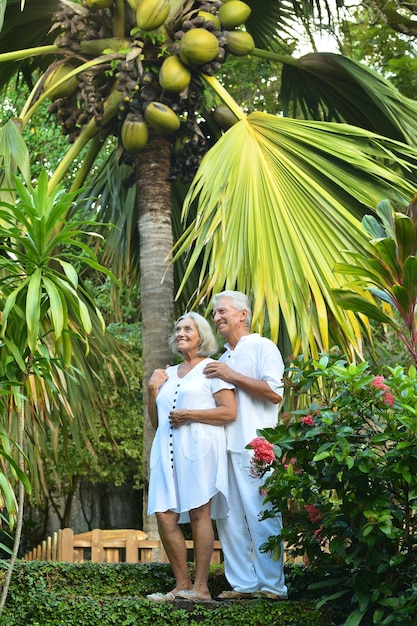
345,479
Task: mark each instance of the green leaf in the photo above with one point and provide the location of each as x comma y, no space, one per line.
355,618
33,307
321,456
16,352
402,299
378,615
14,154
373,227
9,305
333,596
351,301
387,250
405,236
339,88
385,211
410,278
279,221
70,272
9,498
58,312
85,317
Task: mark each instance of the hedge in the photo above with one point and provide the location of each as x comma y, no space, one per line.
90,594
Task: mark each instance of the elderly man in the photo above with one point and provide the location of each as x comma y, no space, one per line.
255,366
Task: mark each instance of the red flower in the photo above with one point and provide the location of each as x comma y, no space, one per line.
313,513
308,420
379,383
388,398
292,462
264,450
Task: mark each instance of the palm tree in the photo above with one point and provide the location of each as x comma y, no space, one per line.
269,208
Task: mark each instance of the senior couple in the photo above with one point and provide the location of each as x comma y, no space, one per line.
202,408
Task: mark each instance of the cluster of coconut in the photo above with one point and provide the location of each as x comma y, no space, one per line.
159,94
202,37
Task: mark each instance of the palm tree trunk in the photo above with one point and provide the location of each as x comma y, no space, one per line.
157,279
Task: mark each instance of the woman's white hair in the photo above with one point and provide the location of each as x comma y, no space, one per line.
238,301
208,343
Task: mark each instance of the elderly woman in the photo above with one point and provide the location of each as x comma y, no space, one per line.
188,479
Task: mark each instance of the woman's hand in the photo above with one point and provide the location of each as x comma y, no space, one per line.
157,379
224,412
178,417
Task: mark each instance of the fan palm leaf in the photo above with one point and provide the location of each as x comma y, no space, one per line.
288,200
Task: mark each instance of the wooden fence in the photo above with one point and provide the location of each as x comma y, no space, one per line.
106,546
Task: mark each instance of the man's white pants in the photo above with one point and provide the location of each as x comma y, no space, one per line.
249,570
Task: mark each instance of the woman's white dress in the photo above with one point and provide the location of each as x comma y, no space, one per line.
188,463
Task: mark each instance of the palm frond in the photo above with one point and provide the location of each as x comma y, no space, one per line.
334,88
111,194
14,155
272,20
279,201
24,29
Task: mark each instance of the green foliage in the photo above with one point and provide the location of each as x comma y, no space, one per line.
7,478
117,445
368,37
93,594
254,83
46,142
389,272
42,281
345,480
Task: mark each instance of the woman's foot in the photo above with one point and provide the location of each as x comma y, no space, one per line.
161,597
167,597
194,596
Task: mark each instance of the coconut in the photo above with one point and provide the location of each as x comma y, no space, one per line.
239,42
64,90
134,134
161,117
198,46
234,13
173,75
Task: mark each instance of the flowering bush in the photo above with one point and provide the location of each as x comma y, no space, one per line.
344,476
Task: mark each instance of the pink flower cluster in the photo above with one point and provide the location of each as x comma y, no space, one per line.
292,462
379,383
264,450
308,420
313,513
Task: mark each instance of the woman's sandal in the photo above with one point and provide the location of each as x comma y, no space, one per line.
193,596
161,597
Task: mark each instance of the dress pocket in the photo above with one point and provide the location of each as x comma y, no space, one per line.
195,442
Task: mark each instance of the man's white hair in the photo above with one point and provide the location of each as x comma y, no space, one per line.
238,301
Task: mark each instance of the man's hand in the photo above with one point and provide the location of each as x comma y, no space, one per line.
215,369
